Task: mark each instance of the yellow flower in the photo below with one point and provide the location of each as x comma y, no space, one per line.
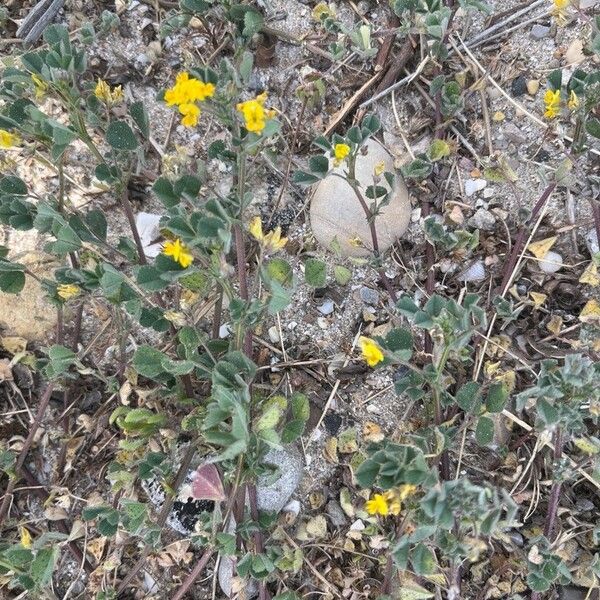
255,229
178,251
109,96
25,537
573,102
7,139
190,113
394,502
177,318
552,104
270,241
322,11
187,90
254,113
40,86
68,290
377,505
371,351
340,151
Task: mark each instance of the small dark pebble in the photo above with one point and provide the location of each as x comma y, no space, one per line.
332,422
518,87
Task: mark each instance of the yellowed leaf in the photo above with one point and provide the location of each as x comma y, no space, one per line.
541,248
590,312
14,344
538,299
590,275
555,324
330,451
372,432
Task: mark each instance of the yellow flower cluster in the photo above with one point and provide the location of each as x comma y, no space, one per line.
105,94
270,241
7,139
179,252
254,113
390,502
552,103
68,290
185,93
371,352
340,152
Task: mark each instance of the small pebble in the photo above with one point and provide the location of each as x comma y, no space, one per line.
326,308
368,295
518,87
224,331
591,239
539,32
322,322
483,219
551,263
474,185
474,272
533,85
274,335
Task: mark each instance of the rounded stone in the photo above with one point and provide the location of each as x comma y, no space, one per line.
337,218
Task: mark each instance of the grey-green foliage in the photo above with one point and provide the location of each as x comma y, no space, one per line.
565,395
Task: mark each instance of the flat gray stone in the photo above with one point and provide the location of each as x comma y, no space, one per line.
483,219
337,217
539,32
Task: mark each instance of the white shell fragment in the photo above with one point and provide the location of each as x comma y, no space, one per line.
551,263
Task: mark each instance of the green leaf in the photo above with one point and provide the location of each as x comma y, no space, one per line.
280,298
484,432
150,278
416,169
592,126
342,274
163,189
96,221
292,431
423,560
13,186
195,6
315,273
300,406
140,116
43,566
12,277
280,270
438,150
253,23
147,361
120,136
467,396
319,165
371,123
497,397
303,178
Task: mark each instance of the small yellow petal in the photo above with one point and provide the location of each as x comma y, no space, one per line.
255,229
590,312
541,248
371,352
26,540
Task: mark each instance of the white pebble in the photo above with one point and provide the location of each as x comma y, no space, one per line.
474,272
551,263
474,185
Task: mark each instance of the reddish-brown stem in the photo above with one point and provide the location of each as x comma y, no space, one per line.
510,264
375,241
194,573
163,515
